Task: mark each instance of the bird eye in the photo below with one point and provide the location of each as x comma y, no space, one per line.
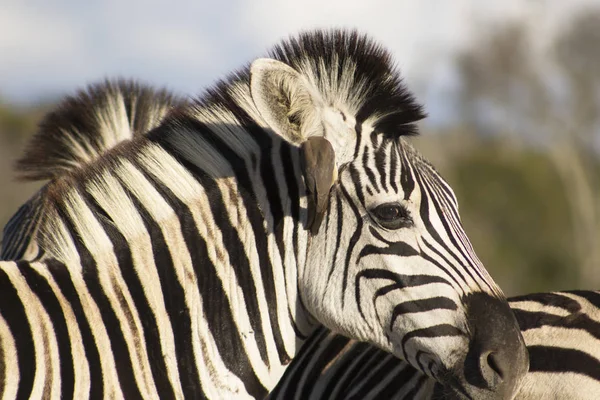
392,216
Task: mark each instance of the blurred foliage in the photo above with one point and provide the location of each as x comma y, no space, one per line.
17,124
513,208
524,162
546,101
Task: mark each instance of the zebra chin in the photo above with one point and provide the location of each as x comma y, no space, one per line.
497,360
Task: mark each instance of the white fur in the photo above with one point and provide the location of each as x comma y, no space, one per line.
80,362
9,357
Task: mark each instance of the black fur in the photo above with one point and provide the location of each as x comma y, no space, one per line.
384,93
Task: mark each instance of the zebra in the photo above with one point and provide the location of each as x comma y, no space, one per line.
561,330
283,199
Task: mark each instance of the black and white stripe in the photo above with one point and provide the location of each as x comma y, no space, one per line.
561,330
186,269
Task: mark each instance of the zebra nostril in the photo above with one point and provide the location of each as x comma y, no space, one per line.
494,365
491,368
497,359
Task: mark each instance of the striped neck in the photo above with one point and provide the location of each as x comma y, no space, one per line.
254,196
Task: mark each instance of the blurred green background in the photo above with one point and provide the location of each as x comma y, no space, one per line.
522,151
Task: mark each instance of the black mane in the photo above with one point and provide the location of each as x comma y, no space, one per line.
376,83
384,92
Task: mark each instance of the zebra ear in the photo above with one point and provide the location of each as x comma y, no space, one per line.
285,100
320,173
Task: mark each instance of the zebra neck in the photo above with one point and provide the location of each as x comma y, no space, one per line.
249,203
212,218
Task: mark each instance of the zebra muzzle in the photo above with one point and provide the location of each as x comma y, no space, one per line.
497,359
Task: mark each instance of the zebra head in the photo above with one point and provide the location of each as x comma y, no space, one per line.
388,261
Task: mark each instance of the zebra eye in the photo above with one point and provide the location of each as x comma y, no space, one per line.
392,216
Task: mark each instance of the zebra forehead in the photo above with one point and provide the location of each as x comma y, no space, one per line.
400,158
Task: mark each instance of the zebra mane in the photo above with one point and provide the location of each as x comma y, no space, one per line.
351,68
85,126
346,67
348,70
81,130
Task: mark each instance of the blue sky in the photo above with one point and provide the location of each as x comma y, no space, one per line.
49,49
